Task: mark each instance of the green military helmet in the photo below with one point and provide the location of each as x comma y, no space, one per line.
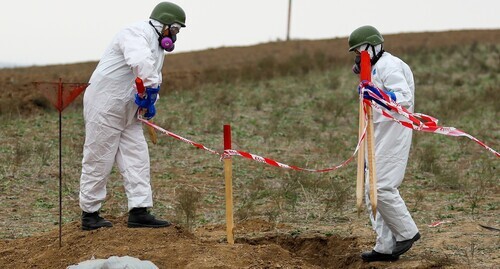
169,13
365,35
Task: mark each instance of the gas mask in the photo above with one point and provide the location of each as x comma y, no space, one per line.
356,68
168,36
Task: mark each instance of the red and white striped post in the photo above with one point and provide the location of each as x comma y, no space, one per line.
228,175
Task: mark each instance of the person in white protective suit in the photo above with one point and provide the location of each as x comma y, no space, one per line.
396,231
111,104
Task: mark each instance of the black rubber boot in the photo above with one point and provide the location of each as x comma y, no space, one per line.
403,246
139,217
373,256
92,221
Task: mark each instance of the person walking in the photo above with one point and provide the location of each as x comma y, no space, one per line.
396,231
112,132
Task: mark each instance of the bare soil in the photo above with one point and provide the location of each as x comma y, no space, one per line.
258,244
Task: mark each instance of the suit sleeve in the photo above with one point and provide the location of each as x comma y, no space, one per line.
399,84
138,55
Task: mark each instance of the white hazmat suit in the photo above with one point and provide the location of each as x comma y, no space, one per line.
113,134
393,221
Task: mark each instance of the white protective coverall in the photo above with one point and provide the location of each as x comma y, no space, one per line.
113,133
393,221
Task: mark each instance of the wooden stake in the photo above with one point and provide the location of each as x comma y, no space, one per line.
365,74
360,181
228,174
371,161
152,133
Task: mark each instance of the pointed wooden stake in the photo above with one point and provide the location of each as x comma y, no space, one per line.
372,174
360,181
228,175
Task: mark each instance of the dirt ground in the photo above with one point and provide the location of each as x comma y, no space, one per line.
258,244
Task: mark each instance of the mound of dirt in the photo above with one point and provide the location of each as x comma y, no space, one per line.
175,247
258,244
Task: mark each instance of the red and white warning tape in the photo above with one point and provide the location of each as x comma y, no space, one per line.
233,152
178,137
271,162
417,121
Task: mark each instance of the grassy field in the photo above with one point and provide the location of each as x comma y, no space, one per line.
306,118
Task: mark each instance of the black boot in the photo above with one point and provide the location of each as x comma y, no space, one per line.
92,221
403,246
139,217
374,256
